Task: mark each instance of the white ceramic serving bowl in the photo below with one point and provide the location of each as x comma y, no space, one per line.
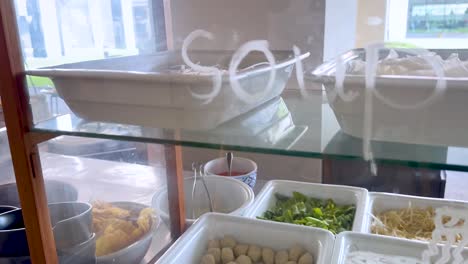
379,202
217,166
347,242
151,90
229,196
426,126
342,195
190,247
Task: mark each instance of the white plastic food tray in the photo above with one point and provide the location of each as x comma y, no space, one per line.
347,242
150,90
340,194
379,202
191,246
443,122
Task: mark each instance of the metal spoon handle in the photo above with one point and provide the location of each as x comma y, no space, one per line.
194,168
229,158
202,177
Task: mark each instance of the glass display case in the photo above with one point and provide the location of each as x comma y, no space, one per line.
153,131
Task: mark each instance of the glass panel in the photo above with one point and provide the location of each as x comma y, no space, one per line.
106,193
6,166
2,119
296,118
287,125
368,93
9,200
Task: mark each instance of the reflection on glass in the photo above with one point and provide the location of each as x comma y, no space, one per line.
6,167
446,19
60,31
100,203
122,225
428,24
247,83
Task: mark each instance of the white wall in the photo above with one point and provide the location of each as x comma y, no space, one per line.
340,27
367,30
283,23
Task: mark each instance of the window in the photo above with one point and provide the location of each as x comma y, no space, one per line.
54,32
440,24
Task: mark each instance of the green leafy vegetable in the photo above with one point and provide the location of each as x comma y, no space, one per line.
302,210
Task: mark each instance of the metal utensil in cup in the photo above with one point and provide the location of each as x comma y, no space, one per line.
198,172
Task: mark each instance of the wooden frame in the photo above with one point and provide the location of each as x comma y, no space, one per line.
18,119
175,190
25,156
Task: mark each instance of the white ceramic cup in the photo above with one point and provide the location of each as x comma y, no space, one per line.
248,167
229,196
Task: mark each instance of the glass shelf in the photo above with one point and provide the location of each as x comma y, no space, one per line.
288,125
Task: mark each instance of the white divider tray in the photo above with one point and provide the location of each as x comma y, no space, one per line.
343,195
399,249
379,202
191,246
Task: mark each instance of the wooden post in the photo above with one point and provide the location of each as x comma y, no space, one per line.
175,189
24,155
327,174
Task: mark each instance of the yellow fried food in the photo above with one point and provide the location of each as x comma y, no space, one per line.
111,241
145,219
118,228
104,214
106,209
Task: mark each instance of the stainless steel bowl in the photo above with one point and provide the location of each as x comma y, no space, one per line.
71,221
56,191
